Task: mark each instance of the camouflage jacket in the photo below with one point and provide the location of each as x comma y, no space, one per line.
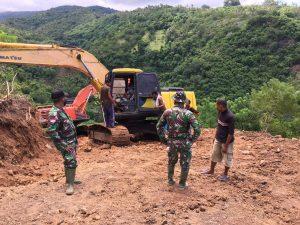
179,122
61,128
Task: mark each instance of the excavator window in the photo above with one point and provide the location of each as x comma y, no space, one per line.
118,88
123,92
146,84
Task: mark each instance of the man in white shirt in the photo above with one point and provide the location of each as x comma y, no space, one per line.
159,102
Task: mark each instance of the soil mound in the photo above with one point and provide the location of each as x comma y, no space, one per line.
20,134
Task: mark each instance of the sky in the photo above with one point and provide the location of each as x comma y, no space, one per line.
34,5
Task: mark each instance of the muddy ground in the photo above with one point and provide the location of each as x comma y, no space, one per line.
128,186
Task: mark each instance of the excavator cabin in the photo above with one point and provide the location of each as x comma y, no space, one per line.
132,89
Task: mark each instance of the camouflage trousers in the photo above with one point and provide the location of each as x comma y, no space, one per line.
69,155
184,149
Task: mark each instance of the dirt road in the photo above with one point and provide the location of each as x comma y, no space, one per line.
128,186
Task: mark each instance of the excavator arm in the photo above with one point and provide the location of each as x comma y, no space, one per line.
55,56
82,98
76,110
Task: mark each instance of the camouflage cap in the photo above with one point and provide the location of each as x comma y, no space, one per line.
179,97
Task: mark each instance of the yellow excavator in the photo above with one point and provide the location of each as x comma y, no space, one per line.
135,114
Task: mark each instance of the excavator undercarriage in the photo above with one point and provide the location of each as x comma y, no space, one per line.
117,136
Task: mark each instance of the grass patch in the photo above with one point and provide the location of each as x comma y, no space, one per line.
158,42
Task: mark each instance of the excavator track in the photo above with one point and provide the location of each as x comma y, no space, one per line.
117,136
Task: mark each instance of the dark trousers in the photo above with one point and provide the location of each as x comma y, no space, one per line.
109,115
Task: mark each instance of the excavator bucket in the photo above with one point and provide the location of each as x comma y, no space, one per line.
117,136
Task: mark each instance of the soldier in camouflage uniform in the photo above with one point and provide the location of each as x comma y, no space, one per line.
63,134
178,137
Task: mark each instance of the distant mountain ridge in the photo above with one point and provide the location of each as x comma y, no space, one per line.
20,14
95,8
66,9
53,23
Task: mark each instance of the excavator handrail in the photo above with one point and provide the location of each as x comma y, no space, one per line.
35,46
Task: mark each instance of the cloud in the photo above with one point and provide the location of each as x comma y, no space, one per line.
32,5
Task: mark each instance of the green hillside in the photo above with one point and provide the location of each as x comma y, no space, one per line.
7,15
52,24
224,52
216,52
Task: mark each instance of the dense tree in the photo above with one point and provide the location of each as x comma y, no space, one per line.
278,106
270,3
246,117
228,3
205,6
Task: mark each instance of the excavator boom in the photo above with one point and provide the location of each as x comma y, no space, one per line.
55,56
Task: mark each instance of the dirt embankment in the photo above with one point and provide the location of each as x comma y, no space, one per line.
21,137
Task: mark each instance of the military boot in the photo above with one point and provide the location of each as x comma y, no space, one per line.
70,175
183,177
171,181
67,181
75,181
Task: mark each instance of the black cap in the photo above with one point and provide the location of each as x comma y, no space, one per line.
56,95
222,102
